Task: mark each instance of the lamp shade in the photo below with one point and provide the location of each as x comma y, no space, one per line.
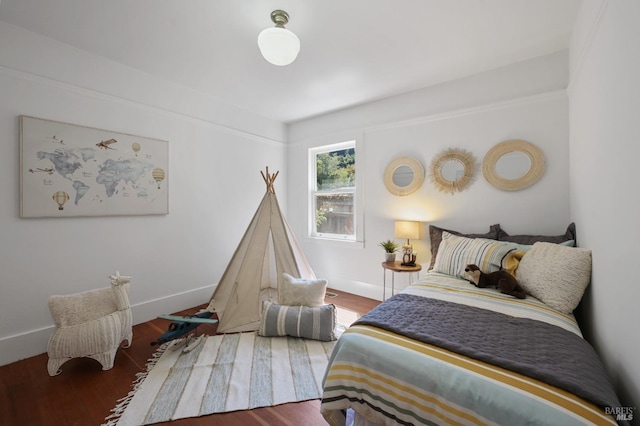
279,46
407,229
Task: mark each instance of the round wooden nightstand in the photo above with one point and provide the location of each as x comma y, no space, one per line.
397,267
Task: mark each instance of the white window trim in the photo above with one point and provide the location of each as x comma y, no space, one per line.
348,141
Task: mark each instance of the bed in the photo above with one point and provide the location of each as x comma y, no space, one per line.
446,352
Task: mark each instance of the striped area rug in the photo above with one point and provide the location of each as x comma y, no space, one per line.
225,373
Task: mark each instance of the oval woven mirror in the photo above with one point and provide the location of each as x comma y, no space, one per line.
513,165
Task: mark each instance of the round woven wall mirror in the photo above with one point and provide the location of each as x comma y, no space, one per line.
403,176
513,165
452,170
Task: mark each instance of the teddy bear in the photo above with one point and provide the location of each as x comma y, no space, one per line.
499,279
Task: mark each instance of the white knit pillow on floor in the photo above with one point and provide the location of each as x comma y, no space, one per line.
299,291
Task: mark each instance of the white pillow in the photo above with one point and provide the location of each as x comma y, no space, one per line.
555,274
297,291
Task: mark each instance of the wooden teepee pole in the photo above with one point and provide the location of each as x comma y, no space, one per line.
269,179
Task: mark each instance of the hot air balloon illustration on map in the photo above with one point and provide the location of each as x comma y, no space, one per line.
158,175
60,197
135,147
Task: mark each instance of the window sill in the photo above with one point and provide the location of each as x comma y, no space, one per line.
334,242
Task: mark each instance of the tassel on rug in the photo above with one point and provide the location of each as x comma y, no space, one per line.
123,403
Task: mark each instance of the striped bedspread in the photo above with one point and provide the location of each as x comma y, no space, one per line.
391,379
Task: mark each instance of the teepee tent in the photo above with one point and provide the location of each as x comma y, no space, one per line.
267,250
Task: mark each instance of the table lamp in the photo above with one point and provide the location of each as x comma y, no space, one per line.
410,230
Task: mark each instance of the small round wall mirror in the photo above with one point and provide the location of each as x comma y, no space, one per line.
452,170
513,165
403,176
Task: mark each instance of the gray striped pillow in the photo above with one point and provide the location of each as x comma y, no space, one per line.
455,253
317,323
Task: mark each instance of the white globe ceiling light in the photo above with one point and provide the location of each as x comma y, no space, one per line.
278,45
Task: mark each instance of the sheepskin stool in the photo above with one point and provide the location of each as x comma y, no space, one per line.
90,324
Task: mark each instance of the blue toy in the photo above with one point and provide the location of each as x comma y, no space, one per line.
181,325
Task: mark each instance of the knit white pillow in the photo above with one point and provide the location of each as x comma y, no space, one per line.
555,274
298,291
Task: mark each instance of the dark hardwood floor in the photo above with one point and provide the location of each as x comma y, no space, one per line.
84,395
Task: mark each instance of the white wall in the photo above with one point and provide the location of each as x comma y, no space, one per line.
176,259
215,156
460,114
604,147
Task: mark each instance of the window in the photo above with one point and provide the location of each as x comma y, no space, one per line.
333,191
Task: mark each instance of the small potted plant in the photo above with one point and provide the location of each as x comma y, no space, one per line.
390,248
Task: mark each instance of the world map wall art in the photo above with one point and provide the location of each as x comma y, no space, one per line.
68,170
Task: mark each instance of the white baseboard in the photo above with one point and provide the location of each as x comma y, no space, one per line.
358,288
146,311
371,291
25,345
34,342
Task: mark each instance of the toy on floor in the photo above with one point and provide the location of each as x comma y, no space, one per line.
180,326
499,279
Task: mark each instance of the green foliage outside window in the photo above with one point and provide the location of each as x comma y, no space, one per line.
334,193
321,217
336,169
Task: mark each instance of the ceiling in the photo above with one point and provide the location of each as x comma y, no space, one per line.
352,51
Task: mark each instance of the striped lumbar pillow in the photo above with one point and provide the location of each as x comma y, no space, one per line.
317,323
455,253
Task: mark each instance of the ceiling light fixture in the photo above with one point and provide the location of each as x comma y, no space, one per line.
278,45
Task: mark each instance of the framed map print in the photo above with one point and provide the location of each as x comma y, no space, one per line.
68,170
